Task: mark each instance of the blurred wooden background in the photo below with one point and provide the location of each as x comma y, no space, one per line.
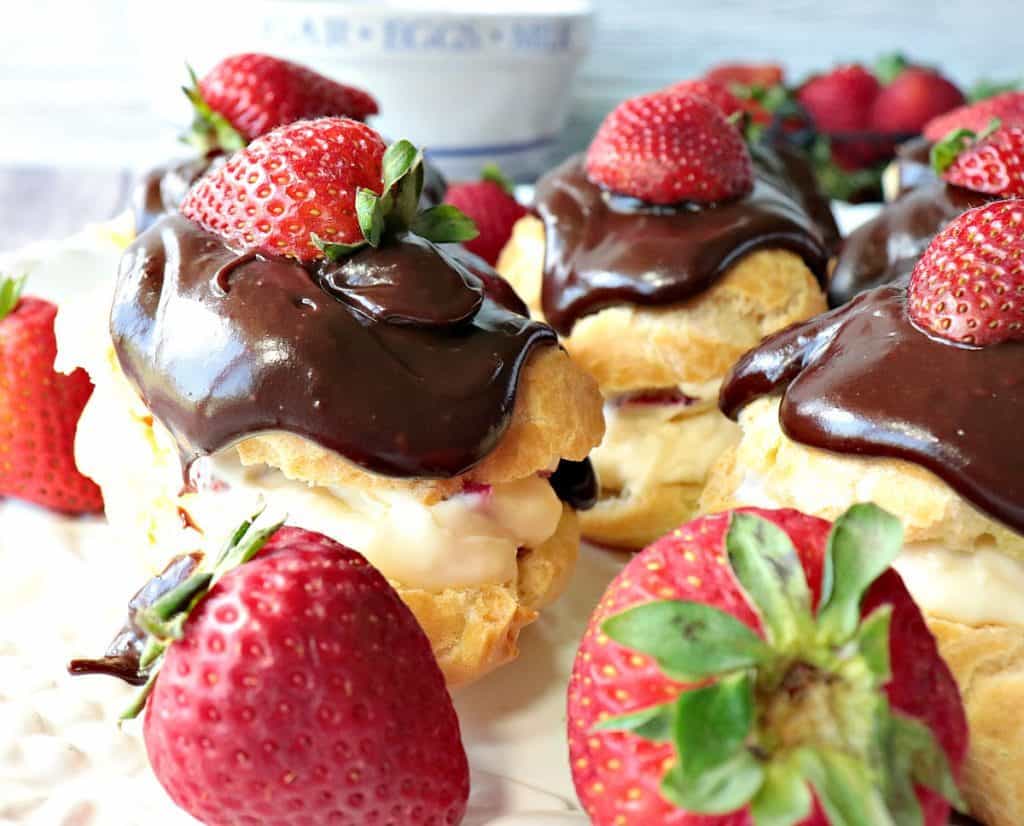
83,85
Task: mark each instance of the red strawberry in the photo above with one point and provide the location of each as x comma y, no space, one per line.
1007,107
841,100
915,97
253,93
39,409
294,182
751,658
839,103
299,690
746,74
994,165
666,148
717,93
489,202
968,286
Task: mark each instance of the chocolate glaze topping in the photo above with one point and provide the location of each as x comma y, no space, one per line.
887,247
604,249
863,379
122,656
222,345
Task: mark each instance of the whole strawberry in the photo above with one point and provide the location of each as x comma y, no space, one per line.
914,97
968,287
670,147
1007,108
246,95
754,667
39,409
294,182
298,689
494,210
994,165
764,75
718,93
840,100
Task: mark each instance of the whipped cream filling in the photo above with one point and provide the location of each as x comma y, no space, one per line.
662,442
973,587
471,538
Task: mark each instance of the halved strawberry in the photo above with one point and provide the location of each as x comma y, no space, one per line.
765,667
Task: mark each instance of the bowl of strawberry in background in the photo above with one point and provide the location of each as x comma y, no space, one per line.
475,83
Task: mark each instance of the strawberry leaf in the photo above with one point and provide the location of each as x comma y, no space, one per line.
926,759
654,723
942,154
888,67
845,788
767,566
714,771
334,252
165,619
873,643
407,196
210,130
688,640
784,799
369,211
492,172
863,543
399,159
10,293
445,224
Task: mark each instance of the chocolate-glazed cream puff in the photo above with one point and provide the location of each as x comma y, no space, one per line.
395,399
866,403
657,301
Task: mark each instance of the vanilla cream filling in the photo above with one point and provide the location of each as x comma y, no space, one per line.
662,443
973,587
468,539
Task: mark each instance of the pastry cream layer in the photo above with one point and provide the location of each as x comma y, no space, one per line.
959,564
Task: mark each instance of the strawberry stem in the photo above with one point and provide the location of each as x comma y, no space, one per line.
210,130
165,619
806,705
10,293
387,215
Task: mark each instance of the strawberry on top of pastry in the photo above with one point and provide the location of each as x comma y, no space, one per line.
660,255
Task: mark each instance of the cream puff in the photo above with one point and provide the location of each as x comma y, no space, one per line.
911,397
389,397
657,300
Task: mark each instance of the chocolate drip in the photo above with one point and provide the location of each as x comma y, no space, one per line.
576,484
604,250
887,247
864,380
218,358
122,656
